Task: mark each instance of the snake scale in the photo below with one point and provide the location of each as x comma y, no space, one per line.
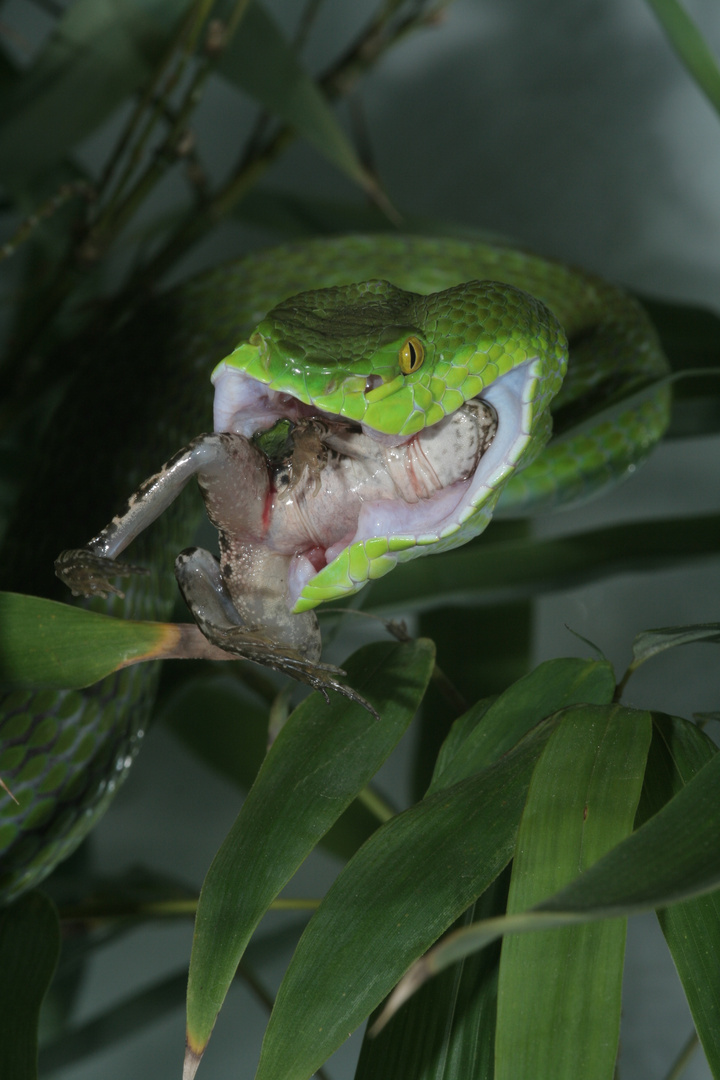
364,372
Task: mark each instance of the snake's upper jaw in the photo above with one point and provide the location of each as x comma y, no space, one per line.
442,517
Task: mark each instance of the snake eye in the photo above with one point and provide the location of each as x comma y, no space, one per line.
411,355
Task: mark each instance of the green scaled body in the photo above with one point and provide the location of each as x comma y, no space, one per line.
144,392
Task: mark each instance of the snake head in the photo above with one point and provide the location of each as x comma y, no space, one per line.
402,368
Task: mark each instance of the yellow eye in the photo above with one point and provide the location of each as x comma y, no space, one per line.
411,355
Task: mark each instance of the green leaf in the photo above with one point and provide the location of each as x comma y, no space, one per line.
100,52
235,745
651,642
485,572
404,887
321,759
447,1031
553,1021
51,646
690,338
500,638
692,928
690,46
29,947
672,857
552,686
260,61
379,876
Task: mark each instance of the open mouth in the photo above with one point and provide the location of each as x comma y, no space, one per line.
391,495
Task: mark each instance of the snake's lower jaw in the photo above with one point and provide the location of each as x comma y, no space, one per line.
387,530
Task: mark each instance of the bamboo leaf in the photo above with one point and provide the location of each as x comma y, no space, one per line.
672,857
402,891
651,642
447,1031
484,572
321,759
29,947
405,886
692,928
472,745
47,645
261,62
690,46
553,1021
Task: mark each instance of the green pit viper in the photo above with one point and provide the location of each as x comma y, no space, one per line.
406,385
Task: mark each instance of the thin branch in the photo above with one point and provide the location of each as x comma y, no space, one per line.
122,208
184,43
74,189
92,912
377,38
381,34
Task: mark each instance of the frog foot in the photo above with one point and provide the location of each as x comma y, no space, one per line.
253,644
291,646
88,574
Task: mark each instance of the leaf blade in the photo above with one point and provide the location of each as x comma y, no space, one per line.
48,645
582,800
485,572
321,759
29,948
672,857
550,687
651,642
447,1032
260,62
691,928
690,46
376,917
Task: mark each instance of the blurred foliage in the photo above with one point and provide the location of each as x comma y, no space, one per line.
546,766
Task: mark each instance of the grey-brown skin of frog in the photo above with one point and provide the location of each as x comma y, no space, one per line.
238,602
268,513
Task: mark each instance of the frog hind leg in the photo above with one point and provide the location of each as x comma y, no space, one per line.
206,594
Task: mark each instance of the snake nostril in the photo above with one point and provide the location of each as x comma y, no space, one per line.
372,382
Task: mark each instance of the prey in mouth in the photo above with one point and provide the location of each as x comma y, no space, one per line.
353,430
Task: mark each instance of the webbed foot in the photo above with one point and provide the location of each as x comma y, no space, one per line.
88,574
